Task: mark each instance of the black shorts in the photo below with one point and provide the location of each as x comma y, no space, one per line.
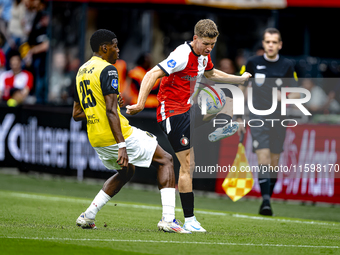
267,137
177,129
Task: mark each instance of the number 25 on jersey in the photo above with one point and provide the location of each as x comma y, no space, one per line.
88,99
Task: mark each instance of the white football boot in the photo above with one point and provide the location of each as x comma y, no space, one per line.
171,227
223,132
85,223
193,226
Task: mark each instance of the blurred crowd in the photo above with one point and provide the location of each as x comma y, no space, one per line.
38,64
24,41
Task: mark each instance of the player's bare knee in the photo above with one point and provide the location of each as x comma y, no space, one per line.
184,173
184,178
263,159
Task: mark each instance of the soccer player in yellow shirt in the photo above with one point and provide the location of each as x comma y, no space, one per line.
119,145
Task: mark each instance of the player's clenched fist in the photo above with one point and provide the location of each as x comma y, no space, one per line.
133,109
246,76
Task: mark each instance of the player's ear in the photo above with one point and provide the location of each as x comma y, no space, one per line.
280,45
104,48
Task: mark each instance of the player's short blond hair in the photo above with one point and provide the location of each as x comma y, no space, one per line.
206,28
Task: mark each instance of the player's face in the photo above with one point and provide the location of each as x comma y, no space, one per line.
113,51
271,45
203,46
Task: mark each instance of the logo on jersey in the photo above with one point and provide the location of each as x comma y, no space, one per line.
171,63
112,72
260,67
114,83
204,62
259,79
190,78
184,141
149,134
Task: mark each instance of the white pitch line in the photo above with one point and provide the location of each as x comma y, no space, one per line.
284,220
169,242
150,207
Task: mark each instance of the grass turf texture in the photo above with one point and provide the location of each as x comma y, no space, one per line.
37,216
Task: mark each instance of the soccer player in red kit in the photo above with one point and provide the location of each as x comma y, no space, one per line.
188,63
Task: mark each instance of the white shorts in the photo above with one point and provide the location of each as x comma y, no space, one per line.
140,147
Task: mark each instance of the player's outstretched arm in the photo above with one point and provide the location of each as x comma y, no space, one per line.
111,101
78,113
219,76
147,83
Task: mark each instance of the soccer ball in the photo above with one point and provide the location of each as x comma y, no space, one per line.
213,97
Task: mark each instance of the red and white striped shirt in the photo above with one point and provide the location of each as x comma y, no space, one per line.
9,81
182,67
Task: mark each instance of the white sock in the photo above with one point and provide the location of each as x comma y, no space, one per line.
168,197
189,218
98,202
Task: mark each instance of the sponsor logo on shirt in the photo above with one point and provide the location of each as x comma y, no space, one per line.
189,78
258,67
114,83
92,119
91,70
171,63
84,71
112,72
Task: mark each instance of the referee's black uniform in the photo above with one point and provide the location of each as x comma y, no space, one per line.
267,75
267,132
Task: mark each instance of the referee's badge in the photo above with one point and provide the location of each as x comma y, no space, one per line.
259,79
184,141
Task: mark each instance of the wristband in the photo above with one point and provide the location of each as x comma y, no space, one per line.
238,116
121,145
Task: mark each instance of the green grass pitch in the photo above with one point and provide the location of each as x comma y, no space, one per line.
37,216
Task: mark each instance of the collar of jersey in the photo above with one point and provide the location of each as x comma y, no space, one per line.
98,58
271,60
188,42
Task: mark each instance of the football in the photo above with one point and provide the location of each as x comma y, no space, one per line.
213,97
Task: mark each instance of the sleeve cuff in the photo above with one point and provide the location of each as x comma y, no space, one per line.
166,73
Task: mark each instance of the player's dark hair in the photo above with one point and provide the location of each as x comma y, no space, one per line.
13,53
100,37
272,30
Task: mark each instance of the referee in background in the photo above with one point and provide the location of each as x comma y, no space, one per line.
268,71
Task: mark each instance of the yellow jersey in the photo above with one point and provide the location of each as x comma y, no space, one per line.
96,79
